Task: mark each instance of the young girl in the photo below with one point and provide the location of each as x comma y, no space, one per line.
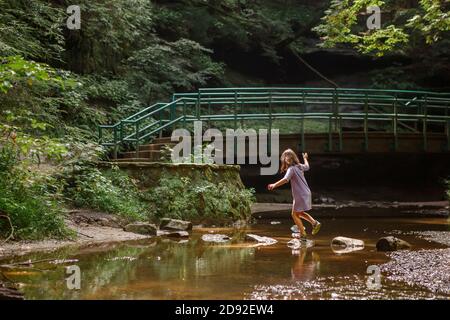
300,190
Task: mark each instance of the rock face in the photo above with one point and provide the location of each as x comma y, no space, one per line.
218,238
265,241
174,224
141,228
391,243
173,234
347,242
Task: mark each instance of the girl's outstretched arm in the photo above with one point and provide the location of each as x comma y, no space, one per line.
305,161
277,184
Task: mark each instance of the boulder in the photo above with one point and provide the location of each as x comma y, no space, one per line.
265,241
347,242
141,228
173,234
174,224
391,243
218,238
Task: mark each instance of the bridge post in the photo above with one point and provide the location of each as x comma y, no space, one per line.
184,114
302,124
424,125
336,109
172,114
100,135
235,110
340,134
209,111
395,125
116,146
330,129
137,139
366,128
197,106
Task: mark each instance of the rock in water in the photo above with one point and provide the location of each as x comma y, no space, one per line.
296,244
218,238
391,243
173,234
141,228
347,242
341,250
174,224
264,241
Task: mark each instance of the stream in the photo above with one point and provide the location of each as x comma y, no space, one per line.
162,268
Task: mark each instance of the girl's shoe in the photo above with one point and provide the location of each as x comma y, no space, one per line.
316,228
295,229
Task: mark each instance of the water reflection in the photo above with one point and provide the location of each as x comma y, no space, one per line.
306,264
168,269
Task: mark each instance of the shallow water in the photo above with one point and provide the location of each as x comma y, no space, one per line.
194,269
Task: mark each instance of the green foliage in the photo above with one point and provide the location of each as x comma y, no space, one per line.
434,22
186,198
167,67
32,29
25,196
393,78
429,19
112,191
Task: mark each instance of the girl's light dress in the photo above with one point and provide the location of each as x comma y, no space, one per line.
300,189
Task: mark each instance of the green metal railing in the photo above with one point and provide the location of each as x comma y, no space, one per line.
413,111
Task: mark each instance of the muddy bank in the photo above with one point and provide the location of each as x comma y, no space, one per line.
90,229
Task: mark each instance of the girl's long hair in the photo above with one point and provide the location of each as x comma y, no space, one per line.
288,158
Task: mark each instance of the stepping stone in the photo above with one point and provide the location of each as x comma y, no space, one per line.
218,238
347,242
296,244
264,241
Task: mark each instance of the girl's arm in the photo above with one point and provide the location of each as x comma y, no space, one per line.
277,184
305,160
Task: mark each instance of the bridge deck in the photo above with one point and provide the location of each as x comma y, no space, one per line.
413,121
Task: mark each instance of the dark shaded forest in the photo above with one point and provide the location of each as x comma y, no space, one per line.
58,84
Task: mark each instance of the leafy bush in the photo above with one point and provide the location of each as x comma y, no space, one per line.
183,198
112,191
26,200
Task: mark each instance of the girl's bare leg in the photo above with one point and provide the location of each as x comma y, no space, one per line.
298,222
306,217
